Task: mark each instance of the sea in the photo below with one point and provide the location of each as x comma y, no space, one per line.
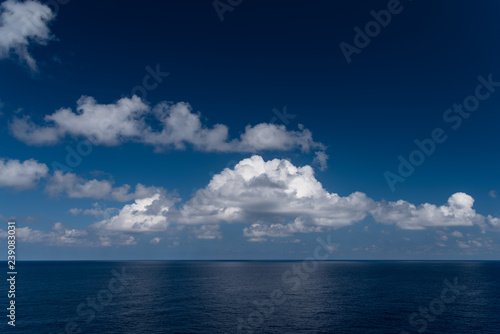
376,297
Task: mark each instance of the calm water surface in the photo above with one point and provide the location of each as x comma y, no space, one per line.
256,297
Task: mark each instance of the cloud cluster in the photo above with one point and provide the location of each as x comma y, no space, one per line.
273,198
22,24
21,175
59,235
74,186
165,126
289,200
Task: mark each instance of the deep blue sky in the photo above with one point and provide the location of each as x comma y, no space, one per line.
264,56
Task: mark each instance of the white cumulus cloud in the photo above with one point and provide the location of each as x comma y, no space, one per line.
274,190
168,126
457,212
144,215
21,175
101,124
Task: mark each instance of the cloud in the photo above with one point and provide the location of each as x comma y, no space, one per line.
476,243
21,175
273,198
494,223
208,232
442,235
75,211
257,240
59,235
155,241
117,240
291,200
457,212
144,215
321,160
101,124
22,24
493,194
20,219
95,211
74,186
260,230
169,127
271,191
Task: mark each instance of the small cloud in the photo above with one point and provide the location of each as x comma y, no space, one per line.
457,234
208,232
130,241
320,160
75,211
155,241
257,240
493,193
477,243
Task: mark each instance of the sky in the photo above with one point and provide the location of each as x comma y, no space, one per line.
246,130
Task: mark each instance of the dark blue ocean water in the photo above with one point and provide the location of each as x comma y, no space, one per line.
256,297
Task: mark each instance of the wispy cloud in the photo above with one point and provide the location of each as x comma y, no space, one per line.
74,186
22,24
